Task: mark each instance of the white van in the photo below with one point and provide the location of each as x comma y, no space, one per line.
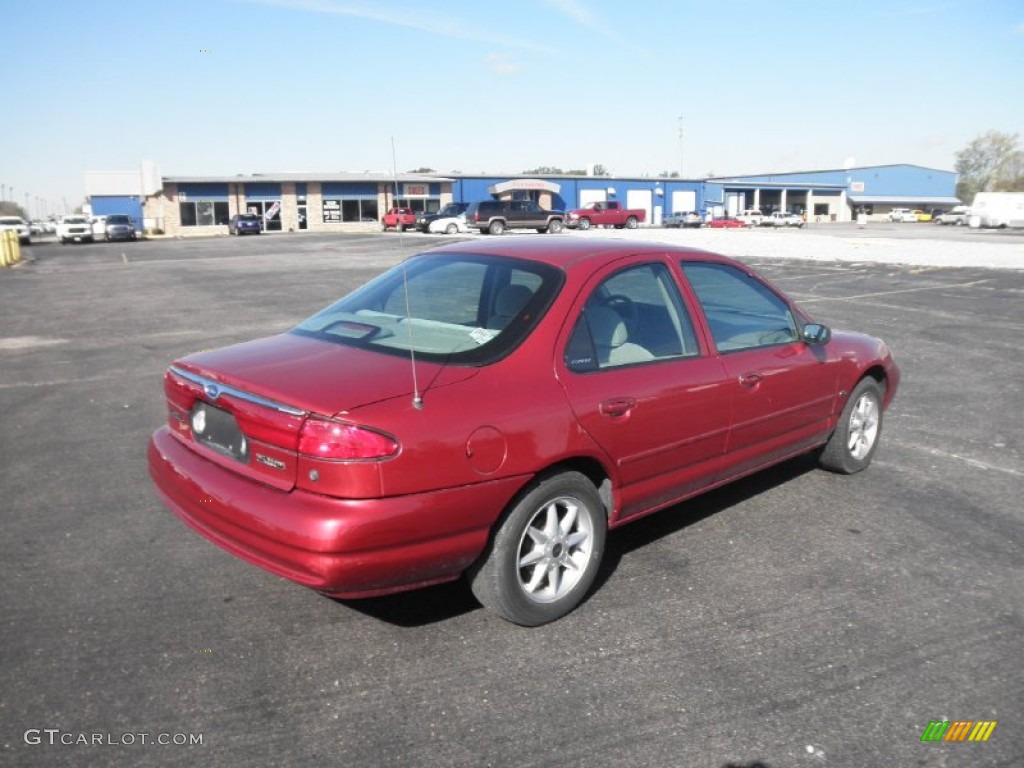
996,210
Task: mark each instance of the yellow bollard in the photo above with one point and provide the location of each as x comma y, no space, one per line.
10,248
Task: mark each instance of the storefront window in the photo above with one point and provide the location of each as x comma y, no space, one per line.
203,213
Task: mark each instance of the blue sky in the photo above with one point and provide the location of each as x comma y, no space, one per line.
256,86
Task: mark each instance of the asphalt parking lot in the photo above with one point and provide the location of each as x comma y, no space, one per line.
794,618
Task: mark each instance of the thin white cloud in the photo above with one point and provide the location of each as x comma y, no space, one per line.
431,23
579,13
500,65
1019,29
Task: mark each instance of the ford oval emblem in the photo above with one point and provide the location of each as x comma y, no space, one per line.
212,391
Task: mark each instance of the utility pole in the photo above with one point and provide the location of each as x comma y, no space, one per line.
680,146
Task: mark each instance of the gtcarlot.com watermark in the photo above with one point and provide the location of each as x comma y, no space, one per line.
55,737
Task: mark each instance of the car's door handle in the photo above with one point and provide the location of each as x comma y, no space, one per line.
617,406
750,379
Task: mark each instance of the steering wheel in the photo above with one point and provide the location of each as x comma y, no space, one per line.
625,307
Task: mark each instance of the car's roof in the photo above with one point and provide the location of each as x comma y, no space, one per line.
571,252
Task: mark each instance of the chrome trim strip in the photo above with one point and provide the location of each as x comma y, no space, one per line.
221,389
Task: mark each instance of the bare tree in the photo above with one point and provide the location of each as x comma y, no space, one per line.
986,162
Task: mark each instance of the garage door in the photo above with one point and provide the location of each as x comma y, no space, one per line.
684,200
641,198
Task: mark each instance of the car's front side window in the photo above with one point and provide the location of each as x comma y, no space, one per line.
634,316
741,311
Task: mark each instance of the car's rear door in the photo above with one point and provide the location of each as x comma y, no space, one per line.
643,386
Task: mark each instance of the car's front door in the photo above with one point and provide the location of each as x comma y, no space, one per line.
643,387
783,390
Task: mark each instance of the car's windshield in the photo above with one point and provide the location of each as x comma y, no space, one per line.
118,220
448,308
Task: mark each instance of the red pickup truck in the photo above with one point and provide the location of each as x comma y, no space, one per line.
605,213
399,218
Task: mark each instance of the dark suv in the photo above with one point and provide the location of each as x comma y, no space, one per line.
119,227
452,209
495,216
245,222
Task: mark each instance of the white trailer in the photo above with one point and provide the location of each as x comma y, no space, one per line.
995,210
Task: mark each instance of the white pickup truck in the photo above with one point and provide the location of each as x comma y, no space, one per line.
783,219
75,227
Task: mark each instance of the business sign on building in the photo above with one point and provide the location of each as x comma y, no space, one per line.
856,186
332,211
415,190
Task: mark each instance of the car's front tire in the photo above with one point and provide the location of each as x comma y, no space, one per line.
631,222
545,553
555,227
855,439
584,223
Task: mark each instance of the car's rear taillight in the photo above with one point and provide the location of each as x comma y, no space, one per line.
336,440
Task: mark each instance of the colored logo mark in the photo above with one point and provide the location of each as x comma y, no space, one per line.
959,730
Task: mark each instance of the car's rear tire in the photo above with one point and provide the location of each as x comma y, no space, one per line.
545,553
855,439
584,223
631,222
496,227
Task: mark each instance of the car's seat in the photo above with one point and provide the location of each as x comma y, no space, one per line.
611,338
510,302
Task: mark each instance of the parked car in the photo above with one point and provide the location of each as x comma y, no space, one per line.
783,219
423,220
398,218
99,226
75,228
119,227
19,225
490,408
683,219
242,223
726,223
919,215
752,217
36,228
902,215
495,216
957,216
449,225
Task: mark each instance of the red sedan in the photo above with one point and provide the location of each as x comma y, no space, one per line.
725,223
492,409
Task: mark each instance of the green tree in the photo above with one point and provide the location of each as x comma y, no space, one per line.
7,208
991,161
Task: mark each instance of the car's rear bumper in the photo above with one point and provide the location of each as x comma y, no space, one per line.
341,547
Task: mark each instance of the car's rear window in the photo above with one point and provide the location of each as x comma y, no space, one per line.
459,309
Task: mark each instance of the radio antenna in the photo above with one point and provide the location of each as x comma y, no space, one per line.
417,401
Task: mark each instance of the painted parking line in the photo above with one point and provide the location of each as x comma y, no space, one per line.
977,463
876,294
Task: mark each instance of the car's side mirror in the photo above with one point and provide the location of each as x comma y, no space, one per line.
816,333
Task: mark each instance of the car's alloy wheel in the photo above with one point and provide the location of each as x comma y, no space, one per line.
545,553
631,222
584,224
855,440
496,228
555,227
451,229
